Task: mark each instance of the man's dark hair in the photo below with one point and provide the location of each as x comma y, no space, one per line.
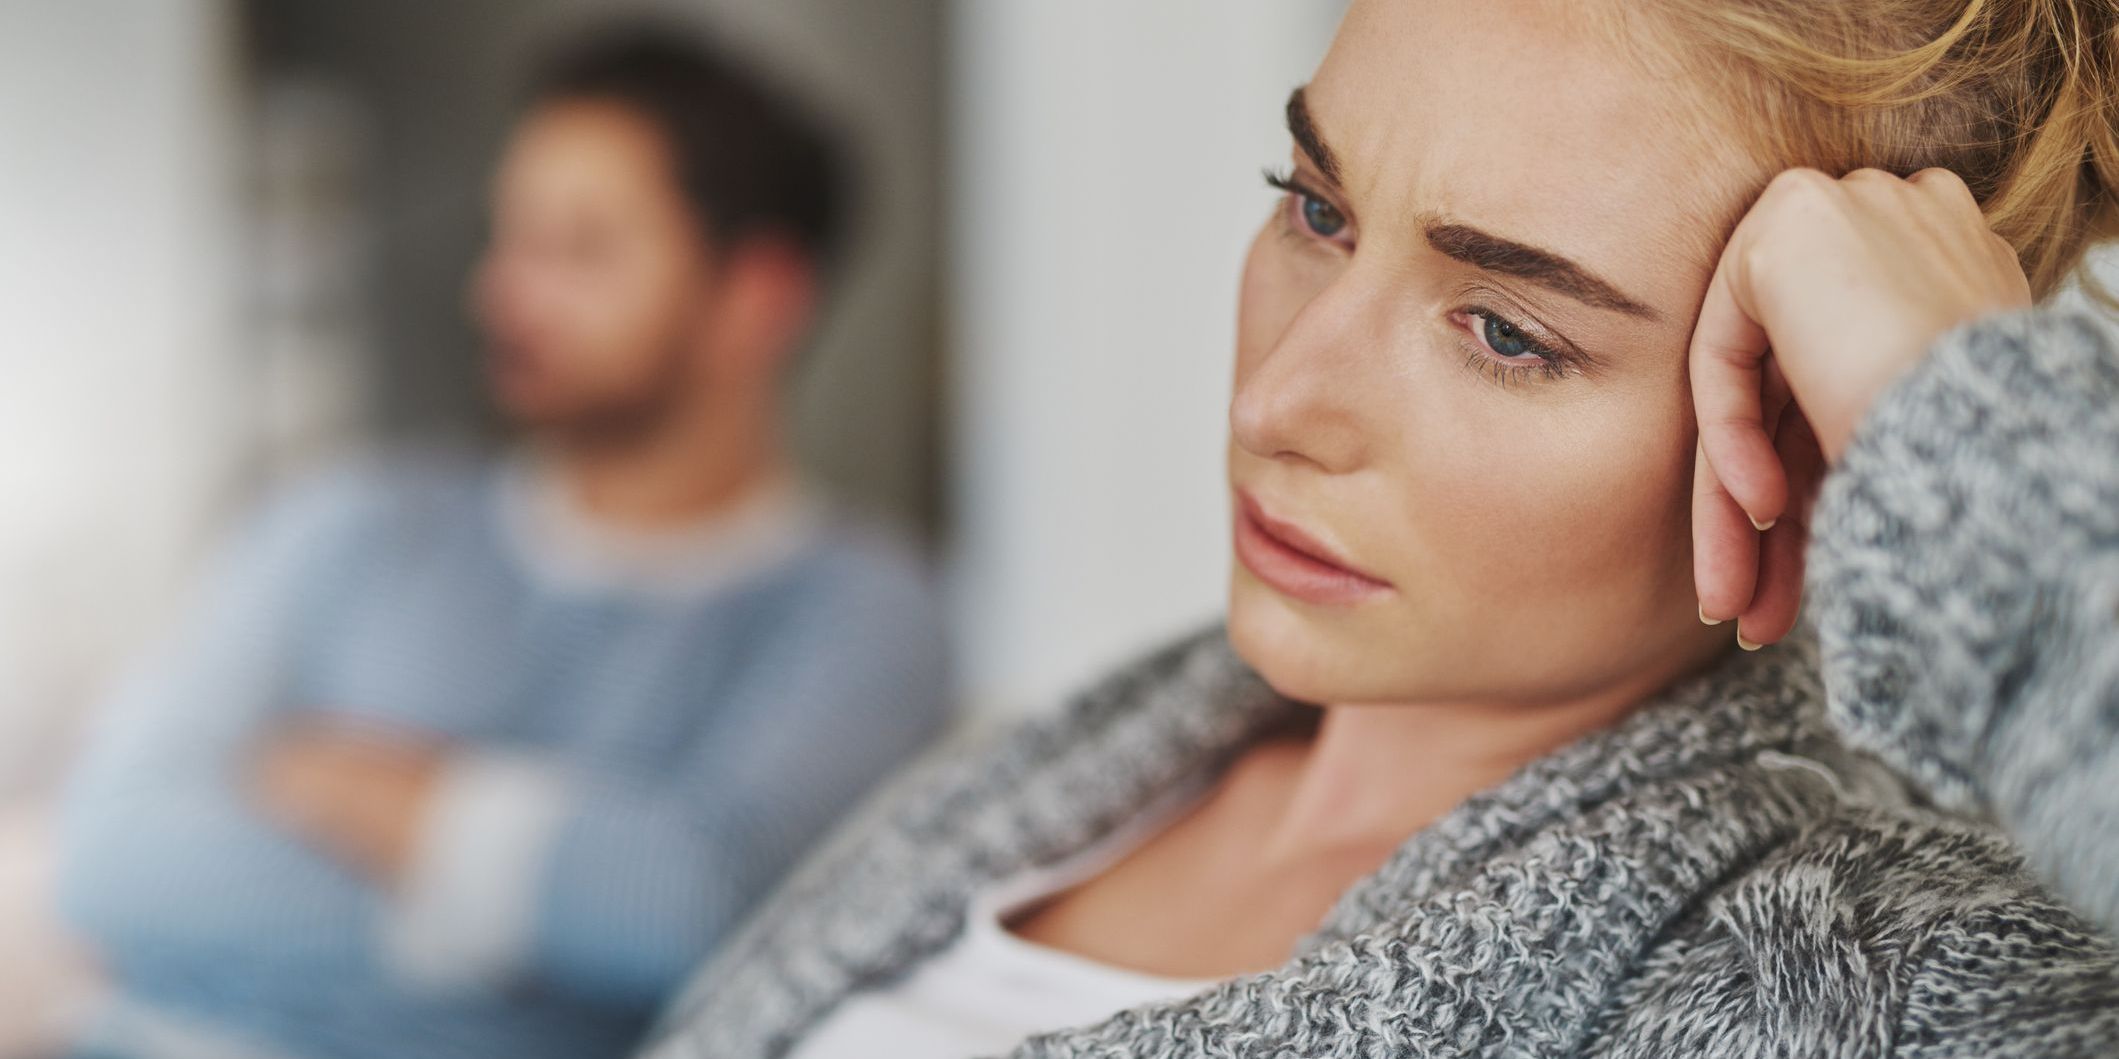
749,160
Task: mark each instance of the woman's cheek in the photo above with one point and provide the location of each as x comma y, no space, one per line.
1523,503
1623,512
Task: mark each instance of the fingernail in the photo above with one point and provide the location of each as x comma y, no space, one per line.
1762,526
1746,644
1705,620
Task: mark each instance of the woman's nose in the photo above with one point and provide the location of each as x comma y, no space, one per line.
1300,399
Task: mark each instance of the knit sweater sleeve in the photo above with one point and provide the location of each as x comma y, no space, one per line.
1964,583
2023,980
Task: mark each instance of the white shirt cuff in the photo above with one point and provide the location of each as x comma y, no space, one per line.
465,914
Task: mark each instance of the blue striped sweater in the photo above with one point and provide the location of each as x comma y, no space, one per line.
648,749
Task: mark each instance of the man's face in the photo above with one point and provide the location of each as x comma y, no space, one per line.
589,289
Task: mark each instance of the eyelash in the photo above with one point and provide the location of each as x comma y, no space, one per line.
1284,181
1550,363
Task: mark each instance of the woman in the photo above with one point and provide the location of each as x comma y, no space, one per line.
1467,774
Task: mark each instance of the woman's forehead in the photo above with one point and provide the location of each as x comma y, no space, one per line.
1514,116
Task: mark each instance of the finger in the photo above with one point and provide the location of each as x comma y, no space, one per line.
1778,600
1803,460
1780,585
1774,396
2008,264
1724,547
1775,400
1945,185
1728,388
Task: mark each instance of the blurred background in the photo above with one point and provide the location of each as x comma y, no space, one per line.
235,235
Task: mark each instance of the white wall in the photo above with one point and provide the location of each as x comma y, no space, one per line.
1106,180
117,411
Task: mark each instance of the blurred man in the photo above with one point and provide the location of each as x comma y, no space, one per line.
478,760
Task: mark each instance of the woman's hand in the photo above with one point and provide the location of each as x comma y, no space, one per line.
1828,290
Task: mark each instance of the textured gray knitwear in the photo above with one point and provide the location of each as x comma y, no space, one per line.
1719,874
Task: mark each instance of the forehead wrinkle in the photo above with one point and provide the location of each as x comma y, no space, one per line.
1408,151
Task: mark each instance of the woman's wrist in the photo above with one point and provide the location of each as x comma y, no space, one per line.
1941,529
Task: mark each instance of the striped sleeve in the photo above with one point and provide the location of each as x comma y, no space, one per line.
638,878
159,850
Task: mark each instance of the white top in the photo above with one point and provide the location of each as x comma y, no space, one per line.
564,544
990,989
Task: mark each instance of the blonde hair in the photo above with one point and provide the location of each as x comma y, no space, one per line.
2020,98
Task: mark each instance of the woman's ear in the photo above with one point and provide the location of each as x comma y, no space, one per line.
764,305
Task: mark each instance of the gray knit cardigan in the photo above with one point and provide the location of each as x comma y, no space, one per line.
1723,873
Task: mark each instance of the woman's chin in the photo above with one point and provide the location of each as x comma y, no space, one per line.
1301,656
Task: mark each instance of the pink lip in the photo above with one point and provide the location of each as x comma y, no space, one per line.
1294,563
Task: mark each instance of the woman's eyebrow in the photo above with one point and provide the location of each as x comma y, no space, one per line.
1491,253
1308,139
1479,249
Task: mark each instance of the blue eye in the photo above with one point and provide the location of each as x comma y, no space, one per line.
1507,353
1505,339
1320,216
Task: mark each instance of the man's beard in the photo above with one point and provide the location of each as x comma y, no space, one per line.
624,418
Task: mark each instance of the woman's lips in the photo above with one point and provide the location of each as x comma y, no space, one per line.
1294,563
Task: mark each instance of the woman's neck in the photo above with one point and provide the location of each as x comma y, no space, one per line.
1372,776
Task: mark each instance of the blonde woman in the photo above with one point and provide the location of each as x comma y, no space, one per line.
1566,314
